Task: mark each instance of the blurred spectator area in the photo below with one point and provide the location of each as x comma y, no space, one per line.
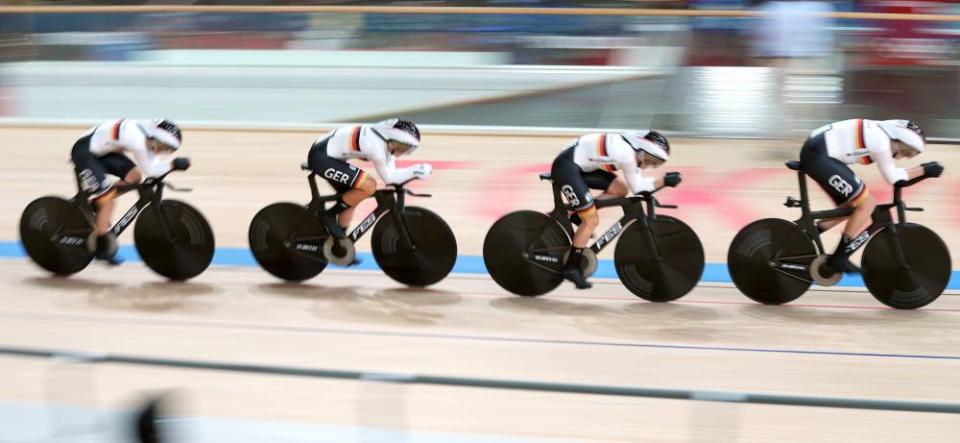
872,68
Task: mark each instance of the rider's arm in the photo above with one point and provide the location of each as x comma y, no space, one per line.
881,154
635,179
385,165
133,139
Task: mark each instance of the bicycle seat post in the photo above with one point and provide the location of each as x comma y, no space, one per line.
804,197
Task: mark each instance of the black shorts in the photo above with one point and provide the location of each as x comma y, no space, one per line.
835,177
341,175
92,170
575,185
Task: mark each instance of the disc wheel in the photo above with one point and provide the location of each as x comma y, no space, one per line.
758,248
435,247
54,233
189,249
523,252
287,241
675,274
929,267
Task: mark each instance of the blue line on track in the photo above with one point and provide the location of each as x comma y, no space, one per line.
466,264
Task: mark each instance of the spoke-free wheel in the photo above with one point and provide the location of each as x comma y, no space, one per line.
186,252
680,263
287,241
769,261
54,234
434,253
523,252
921,282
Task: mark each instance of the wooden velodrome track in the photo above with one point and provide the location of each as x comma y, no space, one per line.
828,343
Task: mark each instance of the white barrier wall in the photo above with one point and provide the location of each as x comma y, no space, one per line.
288,86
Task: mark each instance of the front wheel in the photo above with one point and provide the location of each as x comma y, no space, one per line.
434,253
54,233
664,270
287,241
912,286
523,252
769,261
186,252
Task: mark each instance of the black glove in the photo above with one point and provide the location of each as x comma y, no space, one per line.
932,169
672,179
181,164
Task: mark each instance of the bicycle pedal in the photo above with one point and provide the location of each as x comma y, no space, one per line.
792,203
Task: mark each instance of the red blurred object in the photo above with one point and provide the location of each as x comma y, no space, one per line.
906,42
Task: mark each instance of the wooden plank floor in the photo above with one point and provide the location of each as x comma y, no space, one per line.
833,343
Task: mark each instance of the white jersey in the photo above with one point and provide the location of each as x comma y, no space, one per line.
865,141
365,143
127,136
611,152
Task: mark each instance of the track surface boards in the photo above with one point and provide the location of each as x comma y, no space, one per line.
832,343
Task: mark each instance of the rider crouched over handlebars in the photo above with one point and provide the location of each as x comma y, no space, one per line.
825,156
380,143
589,163
103,150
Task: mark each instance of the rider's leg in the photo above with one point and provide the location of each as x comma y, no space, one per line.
106,246
92,176
571,269
854,233
571,181
365,187
133,177
613,186
617,189
826,225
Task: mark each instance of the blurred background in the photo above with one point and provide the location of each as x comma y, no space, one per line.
778,75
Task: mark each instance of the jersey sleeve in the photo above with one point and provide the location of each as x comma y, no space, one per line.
386,164
134,141
627,162
882,155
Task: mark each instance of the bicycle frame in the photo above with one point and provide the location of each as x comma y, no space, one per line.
633,211
880,218
390,200
151,193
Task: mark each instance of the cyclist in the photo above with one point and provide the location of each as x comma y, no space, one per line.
102,151
825,156
380,143
589,163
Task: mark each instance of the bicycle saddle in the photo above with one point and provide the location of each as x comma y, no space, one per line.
793,164
545,176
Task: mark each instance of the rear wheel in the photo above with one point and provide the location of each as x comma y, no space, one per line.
435,247
189,249
769,261
287,241
676,272
54,233
523,252
912,287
